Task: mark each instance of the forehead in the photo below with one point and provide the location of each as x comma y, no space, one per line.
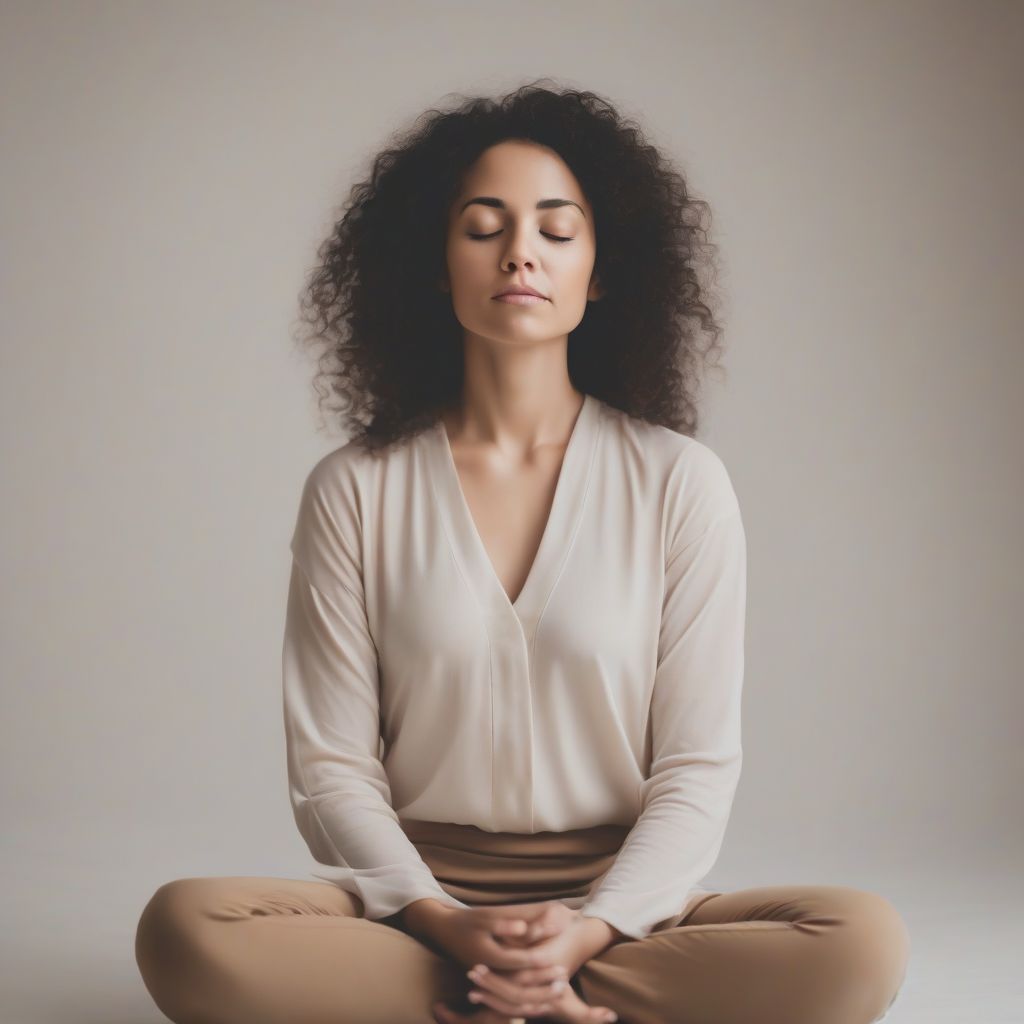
520,173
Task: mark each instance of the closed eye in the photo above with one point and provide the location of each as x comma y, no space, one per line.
493,234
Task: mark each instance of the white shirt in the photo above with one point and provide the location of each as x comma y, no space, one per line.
608,692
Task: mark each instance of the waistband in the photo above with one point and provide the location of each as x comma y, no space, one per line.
481,867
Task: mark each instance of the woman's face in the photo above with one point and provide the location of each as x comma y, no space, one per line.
498,238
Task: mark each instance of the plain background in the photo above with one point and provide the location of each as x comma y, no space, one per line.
168,170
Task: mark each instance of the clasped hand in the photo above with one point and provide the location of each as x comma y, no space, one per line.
521,959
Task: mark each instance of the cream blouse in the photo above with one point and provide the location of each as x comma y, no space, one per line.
607,692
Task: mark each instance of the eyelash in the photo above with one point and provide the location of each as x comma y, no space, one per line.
553,238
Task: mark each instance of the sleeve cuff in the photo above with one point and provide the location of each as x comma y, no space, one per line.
381,894
630,928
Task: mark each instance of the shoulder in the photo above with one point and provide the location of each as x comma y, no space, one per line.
337,492
328,525
342,477
691,477
336,475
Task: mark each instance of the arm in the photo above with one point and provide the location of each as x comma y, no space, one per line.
338,787
599,935
695,720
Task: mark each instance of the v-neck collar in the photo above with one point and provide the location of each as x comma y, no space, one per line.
559,532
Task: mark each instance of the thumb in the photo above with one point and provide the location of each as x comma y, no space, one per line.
509,926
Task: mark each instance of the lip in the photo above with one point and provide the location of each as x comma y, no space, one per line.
519,290
520,299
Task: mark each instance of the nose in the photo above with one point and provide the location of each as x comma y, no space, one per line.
518,252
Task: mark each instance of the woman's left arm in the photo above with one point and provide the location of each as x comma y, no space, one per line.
687,796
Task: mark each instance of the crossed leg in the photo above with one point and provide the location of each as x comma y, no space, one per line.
258,950
781,954
261,950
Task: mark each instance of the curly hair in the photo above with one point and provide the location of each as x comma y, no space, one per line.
390,344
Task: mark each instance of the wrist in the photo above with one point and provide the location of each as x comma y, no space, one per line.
598,934
420,917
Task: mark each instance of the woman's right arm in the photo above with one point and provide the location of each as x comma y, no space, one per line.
422,917
339,790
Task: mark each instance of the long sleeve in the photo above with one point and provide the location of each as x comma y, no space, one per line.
696,750
339,790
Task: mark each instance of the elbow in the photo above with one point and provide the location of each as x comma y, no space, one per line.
705,781
311,829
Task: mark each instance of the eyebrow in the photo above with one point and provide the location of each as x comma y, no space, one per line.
544,204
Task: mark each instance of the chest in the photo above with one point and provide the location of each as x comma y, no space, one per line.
550,572
509,509
503,604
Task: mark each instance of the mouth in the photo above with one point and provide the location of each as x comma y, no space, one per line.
519,298
519,290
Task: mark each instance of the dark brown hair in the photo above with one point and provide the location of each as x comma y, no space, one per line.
390,346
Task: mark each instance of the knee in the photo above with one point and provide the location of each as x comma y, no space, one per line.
173,950
173,915
868,954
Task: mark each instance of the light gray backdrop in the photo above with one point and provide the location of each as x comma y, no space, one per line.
168,169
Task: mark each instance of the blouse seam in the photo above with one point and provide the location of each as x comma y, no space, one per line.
311,800
358,598
725,517
308,794
341,583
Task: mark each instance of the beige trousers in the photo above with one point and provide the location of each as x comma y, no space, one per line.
251,950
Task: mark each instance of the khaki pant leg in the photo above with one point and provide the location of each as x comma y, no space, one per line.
253,950
782,954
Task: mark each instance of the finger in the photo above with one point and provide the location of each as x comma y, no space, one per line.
534,922
507,959
537,975
514,919
600,1015
536,932
530,976
510,1009
509,926
526,986
514,941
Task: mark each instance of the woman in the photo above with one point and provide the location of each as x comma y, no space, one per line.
513,655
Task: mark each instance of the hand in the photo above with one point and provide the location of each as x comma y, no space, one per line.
506,999
568,1008
557,940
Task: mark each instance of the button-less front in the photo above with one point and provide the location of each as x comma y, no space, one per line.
608,692
511,625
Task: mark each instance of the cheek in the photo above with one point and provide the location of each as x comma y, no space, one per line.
575,264
466,266
574,277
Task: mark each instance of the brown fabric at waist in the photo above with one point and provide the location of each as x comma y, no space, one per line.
481,867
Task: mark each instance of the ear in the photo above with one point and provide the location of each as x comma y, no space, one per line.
596,289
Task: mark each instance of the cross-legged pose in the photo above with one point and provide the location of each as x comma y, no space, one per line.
513,653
